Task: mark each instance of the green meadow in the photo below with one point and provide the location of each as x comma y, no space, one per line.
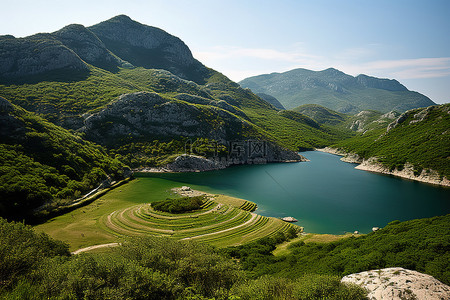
125,211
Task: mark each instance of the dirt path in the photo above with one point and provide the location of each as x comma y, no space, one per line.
95,247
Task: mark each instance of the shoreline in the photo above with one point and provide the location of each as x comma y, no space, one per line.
197,164
372,165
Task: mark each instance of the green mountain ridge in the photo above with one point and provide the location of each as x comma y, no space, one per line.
336,90
420,137
68,99
363,121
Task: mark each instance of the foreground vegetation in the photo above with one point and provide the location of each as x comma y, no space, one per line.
34,266
422,245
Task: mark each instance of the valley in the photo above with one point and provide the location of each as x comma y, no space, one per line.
130,170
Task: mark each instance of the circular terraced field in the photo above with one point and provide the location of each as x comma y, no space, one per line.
217,224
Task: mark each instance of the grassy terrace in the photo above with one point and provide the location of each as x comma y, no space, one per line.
126,211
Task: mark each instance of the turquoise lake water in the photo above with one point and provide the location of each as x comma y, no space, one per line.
325,194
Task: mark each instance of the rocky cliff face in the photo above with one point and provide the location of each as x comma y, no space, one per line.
89,47
272,100
380,83
145,114
40,53
118,42
148,47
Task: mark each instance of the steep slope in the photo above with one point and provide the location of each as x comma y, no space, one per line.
336,90
417,143
45,164
149,47
272,100
321,114
363,121
37,54
89,47
194,102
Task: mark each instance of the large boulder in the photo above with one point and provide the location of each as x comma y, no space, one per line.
399,284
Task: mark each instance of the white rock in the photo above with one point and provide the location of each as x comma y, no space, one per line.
398,284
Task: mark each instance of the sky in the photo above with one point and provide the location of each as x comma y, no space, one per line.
407,40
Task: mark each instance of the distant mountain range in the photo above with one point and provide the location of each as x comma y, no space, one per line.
336,90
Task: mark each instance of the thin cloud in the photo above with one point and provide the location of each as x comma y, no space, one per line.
225,59
413,68
225,52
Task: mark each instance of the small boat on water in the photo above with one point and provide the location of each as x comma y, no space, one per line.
289,219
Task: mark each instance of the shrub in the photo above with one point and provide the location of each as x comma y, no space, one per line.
179,205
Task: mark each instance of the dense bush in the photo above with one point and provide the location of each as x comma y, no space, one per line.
22,250
41,163
179,205
422,245
308,287
33,266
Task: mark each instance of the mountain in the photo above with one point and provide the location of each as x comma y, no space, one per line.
336,90
79,96
42,163
416,141
89,47
121,56
149,47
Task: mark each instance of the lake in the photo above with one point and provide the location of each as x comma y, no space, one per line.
325,194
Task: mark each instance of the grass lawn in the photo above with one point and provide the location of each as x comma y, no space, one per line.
82,227
121,212
282,249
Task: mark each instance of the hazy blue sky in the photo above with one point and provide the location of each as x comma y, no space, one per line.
403,39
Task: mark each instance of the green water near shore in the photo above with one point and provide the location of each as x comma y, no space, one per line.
324,194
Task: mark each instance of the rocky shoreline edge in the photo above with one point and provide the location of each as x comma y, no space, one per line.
195,163
372,165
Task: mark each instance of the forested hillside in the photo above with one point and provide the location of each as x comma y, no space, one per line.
42,163
420,137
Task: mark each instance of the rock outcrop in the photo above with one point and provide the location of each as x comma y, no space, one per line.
37,54
89,47
146,114
194,163
373,165
148,47
399,284
407,172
